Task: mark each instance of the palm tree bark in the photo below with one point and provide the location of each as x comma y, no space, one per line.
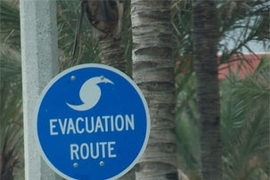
206,68
106,18
153,71
112,53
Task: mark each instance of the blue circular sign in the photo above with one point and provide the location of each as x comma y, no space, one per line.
92,123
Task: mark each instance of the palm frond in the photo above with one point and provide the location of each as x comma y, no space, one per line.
187,126
11,131
245,127
243,22
10,24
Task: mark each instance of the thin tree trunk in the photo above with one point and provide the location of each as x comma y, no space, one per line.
206,68
153,72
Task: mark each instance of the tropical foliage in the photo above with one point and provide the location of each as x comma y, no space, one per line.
244,105
11,126
11,129
252,14
245,125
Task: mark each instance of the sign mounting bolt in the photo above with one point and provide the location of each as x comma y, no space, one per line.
73,78
101,163
75,165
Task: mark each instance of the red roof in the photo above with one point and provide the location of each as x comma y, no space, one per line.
241,66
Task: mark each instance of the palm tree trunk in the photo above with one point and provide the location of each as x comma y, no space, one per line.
112,53
206,68
153,72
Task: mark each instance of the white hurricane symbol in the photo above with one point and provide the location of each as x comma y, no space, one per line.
90,93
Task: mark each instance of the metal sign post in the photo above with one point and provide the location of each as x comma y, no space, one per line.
39,65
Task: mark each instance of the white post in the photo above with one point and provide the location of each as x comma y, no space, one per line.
39,65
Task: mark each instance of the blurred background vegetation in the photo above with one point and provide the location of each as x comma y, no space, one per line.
244,101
